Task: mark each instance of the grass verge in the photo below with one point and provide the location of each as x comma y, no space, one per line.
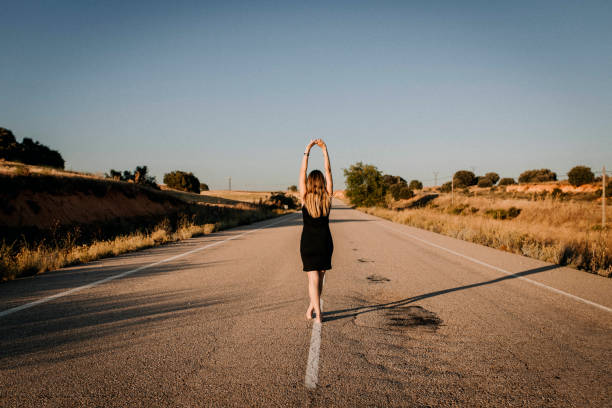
23,259
556,232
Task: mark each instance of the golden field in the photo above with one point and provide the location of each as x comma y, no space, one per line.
566,232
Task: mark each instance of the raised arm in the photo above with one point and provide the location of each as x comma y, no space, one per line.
304,169
328,174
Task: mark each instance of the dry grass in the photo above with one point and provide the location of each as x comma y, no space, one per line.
560,232
37,259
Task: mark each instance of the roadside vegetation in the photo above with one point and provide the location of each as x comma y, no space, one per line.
557,222
52,218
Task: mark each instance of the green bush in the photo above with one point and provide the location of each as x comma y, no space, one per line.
494,177
580,175
415,185
365,185
28,152
537,176
183,181
204,187
506,181
464,178
485,182
292,188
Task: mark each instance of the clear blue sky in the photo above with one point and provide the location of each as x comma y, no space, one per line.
238,88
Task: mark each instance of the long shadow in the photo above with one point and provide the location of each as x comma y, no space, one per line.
352,312
42,332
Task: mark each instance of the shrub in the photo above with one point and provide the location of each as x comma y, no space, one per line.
503,214
464,178
28,152
292,188
506,181
183,181
280,199
580,175
446,187
204,187
405,193
485,182
364,185
537,176
389,180
494,177
139,176
415,185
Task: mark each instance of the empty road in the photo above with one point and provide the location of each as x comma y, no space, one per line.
412,319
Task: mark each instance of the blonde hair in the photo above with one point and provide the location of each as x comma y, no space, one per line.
317,199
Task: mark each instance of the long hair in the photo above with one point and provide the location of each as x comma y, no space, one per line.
317,200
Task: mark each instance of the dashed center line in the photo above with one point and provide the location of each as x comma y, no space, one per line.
312,367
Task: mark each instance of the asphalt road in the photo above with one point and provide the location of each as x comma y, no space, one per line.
412,318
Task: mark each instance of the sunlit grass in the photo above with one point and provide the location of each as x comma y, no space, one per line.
566,233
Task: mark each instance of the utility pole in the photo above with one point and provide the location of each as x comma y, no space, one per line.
230,183
435,182
603,197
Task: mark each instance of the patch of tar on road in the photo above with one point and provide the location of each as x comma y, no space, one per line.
400,318
378,279
364,260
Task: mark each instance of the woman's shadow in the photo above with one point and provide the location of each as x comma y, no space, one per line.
355,311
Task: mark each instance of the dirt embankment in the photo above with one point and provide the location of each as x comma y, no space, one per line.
46,201
549,187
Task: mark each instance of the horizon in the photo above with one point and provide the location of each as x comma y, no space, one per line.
236,89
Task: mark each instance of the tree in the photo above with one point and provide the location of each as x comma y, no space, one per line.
364,185
446,187
415,185
506,181
464,178
204,187
292,188
494,177
28,152
485,182
537,176
139,176
183,181
580,175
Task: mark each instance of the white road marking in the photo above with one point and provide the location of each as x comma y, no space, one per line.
121,275
312,367
469,258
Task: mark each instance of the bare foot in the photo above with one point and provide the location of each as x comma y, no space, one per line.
318,319
309,312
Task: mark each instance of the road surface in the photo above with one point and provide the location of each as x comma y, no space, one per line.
412,318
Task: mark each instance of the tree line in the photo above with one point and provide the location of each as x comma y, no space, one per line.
367,186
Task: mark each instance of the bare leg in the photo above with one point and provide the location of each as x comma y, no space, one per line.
321,279
313,292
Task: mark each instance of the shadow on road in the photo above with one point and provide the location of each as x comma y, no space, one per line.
352,312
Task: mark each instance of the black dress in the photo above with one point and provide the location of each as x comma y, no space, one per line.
316,245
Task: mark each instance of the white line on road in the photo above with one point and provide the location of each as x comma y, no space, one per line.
121,275
312,367
469,258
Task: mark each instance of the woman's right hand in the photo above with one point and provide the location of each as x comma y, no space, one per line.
310,144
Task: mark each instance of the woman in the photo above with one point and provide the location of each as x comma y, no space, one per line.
316,245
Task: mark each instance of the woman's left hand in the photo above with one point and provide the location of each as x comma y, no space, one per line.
321,143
